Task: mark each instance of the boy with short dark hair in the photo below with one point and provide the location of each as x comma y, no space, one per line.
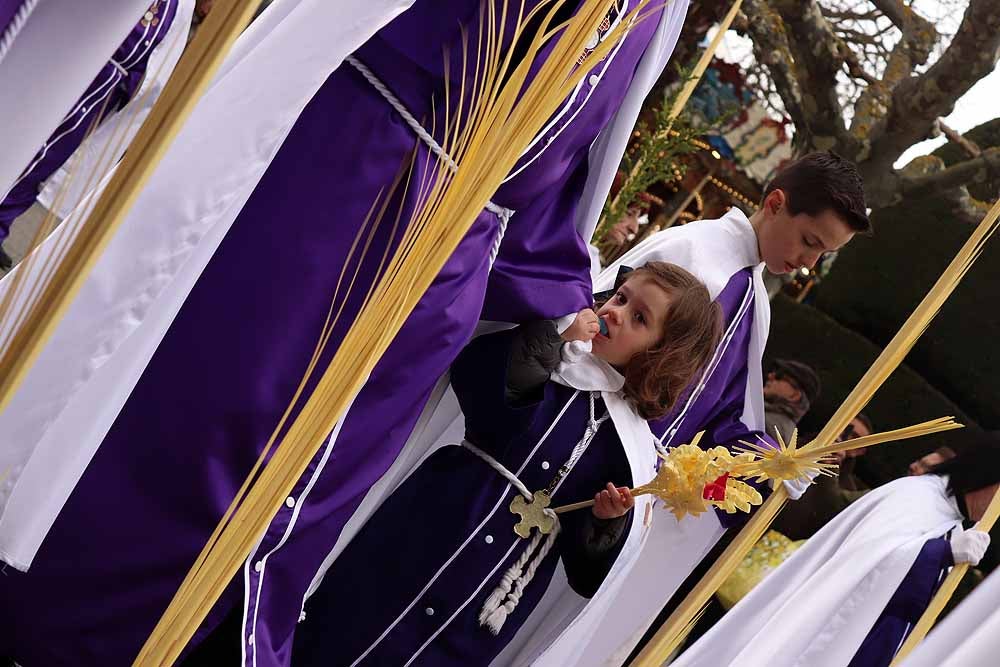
812,206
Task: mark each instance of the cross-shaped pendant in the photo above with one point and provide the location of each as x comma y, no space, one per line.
532,514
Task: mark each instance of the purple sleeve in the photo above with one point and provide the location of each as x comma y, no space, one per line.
543,268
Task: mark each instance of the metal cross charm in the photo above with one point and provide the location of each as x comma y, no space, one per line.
532,514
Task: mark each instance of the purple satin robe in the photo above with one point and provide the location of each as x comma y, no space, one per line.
224,373
906,606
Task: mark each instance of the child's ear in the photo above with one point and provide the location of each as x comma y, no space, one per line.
775,201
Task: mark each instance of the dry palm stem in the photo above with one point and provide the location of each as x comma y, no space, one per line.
498,128
786,463
947,589
14,302
372,219
192,74
672,633
891,357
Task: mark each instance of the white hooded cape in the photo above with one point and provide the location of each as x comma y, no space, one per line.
713,250
817,607
82,378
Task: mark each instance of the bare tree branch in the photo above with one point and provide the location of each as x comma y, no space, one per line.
804,56
912,49
866,53
896,11
771,49
918,101
835,15
975,170
968,147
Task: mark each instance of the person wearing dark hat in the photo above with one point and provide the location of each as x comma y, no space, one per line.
789,389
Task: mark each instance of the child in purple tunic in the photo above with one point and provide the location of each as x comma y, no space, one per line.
414,587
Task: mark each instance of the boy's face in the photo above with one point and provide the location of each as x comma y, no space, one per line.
635,317
788,242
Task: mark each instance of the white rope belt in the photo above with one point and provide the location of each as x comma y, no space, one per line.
504,598
118,66
16,24
503,214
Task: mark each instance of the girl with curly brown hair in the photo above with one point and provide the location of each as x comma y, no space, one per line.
443,573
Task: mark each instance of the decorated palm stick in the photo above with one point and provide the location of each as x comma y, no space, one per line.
676,483
788,462
948,587
667,637
692,480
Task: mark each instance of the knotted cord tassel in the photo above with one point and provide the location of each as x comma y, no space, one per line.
493,614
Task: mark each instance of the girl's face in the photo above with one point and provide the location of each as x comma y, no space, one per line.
635,317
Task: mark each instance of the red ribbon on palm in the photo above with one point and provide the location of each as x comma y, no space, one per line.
716,490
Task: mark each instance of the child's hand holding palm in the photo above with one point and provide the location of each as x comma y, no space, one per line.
613,502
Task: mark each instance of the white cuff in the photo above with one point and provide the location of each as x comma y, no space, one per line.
564,322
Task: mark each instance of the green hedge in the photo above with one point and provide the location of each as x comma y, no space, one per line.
877,282
840,357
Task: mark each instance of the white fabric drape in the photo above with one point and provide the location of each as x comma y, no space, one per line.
817,607
969,636
82,378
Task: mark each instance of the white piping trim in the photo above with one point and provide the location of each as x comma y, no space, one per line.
48,144
121,70
713,364
462,546
492,572
299,502
153,44
246,603
902,640
138,43
566,107
465,604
